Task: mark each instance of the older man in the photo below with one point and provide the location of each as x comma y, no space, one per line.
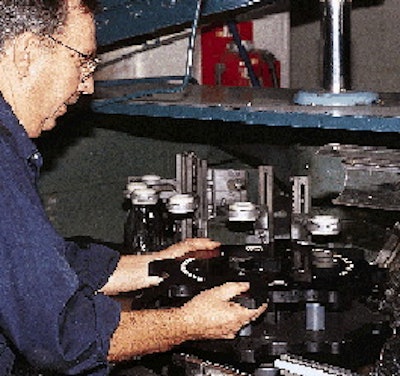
55,310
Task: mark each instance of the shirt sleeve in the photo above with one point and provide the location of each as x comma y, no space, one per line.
50,311
93,263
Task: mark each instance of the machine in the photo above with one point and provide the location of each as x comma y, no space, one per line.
331,296
324,258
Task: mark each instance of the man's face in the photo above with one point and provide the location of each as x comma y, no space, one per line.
62,73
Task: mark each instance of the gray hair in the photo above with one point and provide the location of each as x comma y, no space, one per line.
37,16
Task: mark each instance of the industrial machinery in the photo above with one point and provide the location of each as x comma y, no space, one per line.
327,295
332,294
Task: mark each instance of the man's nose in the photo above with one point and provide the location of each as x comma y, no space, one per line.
86,86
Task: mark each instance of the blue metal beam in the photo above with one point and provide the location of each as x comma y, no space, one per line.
124,19
270,107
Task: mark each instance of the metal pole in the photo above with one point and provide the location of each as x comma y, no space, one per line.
336,45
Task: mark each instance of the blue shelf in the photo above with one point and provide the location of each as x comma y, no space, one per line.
253,106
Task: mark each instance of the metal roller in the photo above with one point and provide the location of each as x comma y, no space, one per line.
336,36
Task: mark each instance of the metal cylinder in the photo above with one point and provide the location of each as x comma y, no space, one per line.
266,370
315,317
336,35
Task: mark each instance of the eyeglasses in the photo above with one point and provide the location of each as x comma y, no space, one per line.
88,63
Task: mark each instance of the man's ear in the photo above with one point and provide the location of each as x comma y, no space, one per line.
25,50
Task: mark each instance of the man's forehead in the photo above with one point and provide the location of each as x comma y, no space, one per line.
79,31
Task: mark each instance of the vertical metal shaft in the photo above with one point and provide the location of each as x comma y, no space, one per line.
336,44
266,195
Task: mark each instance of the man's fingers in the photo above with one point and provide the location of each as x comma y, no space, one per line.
258,311
186,246
154,281
229,290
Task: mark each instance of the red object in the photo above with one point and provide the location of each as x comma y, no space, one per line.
232,71
222,65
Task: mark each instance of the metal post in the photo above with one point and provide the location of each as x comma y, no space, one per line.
301,189
336,45
191,178
266,195
336,78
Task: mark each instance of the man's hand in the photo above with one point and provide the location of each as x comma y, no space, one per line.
186,246
209,315
212,314
132,270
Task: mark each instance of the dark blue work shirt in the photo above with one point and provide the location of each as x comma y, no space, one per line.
50,311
